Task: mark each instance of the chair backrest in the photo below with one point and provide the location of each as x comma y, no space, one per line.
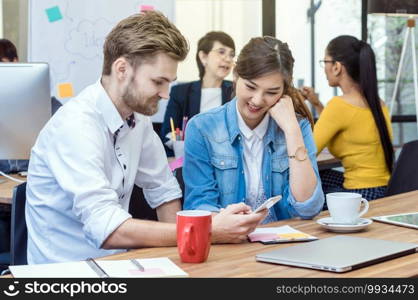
55,104
19,232
405,174
139,207
179,176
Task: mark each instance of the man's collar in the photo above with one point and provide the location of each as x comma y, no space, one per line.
110,114
108,109
131,121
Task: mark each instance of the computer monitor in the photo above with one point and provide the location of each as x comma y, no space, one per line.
25,107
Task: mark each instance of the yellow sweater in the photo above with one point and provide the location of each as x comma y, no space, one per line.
351,135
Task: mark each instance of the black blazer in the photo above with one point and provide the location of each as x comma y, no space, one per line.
185,101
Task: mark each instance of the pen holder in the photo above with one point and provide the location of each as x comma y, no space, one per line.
178,147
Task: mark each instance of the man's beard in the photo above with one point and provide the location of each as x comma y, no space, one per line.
137,103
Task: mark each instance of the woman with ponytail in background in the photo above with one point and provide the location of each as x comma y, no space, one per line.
355,126
258,145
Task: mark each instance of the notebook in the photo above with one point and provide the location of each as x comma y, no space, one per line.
338,253
282,234
153,267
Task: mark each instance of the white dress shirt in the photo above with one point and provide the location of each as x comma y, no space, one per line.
210,98
253,159
82,170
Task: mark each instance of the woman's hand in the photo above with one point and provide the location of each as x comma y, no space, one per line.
284,114
310,95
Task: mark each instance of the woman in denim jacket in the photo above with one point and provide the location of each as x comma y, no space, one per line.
257,146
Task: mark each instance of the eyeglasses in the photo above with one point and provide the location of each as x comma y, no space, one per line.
322,62
223,52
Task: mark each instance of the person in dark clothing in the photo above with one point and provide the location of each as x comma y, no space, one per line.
214,57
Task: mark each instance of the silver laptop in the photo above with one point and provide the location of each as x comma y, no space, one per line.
338,253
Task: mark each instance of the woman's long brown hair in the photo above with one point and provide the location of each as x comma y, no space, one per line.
264,55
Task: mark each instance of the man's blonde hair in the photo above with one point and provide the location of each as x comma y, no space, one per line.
142,36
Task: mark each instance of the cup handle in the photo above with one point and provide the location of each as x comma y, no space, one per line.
188,244
366,207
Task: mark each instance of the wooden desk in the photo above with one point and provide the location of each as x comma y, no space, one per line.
327,161
239,260
6,188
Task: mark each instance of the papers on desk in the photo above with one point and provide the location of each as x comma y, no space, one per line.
282,234
175,164
153,267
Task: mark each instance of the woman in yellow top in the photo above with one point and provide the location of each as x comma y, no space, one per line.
356,126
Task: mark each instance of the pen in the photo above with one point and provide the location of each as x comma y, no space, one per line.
95,266
138,265
178,134
185,126
182,128
173,132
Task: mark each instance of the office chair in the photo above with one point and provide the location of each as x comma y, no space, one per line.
19,232
55,105
4,261
139,207
5,212
405,174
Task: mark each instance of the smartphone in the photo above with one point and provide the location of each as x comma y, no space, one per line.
269,203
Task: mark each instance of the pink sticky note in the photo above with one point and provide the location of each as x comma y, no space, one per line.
148,272
255,237
146,7
175,164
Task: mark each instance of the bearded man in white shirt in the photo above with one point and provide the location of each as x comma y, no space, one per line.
88,157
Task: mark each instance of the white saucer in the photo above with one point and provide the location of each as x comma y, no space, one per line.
327,223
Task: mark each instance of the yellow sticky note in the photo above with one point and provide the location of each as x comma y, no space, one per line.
293,235
65,90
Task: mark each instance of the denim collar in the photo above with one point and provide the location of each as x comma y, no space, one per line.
274,133
232,120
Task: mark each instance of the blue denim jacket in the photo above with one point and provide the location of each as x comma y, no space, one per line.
213,168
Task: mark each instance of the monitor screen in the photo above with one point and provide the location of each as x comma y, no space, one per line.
25,107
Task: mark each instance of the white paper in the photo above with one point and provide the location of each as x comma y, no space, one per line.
122,268
154,267
57,270
276,230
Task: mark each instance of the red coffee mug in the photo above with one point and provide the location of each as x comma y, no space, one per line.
194,230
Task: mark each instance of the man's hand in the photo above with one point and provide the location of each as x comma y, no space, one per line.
234,223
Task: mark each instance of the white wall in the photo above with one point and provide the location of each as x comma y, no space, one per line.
241,19
334,18
1,18
292,28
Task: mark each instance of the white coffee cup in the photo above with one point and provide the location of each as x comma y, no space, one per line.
344,207
178,147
